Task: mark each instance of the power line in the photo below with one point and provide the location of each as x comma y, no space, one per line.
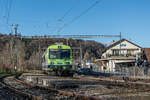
60,20
2,3
5,13
68,11
5,7
63,17
8,12
0,8
80,15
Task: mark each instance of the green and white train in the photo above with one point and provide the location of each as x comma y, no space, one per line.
58,59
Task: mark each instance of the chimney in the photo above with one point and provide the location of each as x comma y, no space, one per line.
113,41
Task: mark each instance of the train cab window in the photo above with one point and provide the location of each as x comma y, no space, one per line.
54,54
65,54
59,54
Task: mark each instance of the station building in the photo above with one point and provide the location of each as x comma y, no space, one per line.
122,53
146,52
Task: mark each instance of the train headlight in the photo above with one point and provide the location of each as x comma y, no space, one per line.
67,63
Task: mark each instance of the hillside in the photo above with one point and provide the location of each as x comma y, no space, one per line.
24,52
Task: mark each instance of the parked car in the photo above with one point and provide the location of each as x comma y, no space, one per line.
86,71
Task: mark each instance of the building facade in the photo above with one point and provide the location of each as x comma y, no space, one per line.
122,53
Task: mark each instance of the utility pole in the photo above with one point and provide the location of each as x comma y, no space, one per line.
120,43
81,58
15,27
67,40
39,53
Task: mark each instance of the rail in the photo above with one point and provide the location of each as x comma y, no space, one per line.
17,92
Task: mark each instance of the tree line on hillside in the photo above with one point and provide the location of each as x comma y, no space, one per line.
20,54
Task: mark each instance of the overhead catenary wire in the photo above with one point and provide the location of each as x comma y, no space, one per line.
2,3
60,20
5,3
5,8
80,15
0,9
8,10
69,11
63,17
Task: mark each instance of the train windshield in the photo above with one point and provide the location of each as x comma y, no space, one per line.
59,54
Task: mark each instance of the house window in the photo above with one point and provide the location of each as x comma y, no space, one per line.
115,52
130,52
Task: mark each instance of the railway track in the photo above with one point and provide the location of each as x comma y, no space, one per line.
15,94
33,92
99,87
130,83
87,88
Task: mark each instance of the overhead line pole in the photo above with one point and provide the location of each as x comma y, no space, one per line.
39,48
16,47
120,42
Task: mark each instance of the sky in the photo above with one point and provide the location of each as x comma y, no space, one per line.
108,17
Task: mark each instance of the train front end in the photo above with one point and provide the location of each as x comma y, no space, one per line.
58,59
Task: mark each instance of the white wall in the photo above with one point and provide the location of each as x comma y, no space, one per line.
127,44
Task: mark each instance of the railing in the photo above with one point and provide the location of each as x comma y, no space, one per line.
121,55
